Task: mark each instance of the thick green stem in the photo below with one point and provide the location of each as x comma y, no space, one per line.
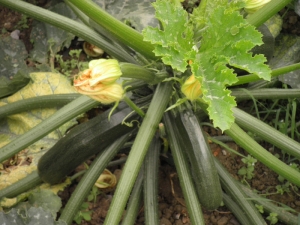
266,12
73,109
184,171
283,215
133,106
135,201
69,25
30,181
45,101
266,132
84,18
261,154
265,93
138,72
276,72
236,209
151,165
138,152
121,31
238,196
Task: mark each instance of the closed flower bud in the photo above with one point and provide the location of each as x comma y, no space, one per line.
106,180
92,50
253,5
191,88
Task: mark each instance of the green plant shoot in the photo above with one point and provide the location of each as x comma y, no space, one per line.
214,37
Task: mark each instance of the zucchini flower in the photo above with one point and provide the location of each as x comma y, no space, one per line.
104,71
99,81
191,88
106,180
111,93
253,5
92,50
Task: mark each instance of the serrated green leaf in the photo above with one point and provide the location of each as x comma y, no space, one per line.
12,66
225,39
175,42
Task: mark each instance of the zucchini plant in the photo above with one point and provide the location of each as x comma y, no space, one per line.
196,56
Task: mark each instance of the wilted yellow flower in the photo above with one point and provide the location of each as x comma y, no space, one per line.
99,81
191,88
106,180
254,5
92,50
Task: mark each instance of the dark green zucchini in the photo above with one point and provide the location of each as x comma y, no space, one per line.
203,168
82,142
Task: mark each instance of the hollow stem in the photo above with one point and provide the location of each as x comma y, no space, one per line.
89,179
121,31
261,154
266,12
69,25
130,70
69,111
45,101
265,93
133,106
138,151
276,72
267,132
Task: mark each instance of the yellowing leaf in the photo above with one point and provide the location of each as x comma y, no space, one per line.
14,125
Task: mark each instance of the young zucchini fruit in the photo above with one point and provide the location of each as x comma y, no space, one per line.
203,168
80,143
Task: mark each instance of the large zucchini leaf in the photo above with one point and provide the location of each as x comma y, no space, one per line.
13,69
287,52
33,216
49,38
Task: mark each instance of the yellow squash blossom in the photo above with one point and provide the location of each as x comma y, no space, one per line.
99,81
111,93
254,5
191,88
104,71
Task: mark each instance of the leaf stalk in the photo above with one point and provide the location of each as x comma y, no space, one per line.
138,152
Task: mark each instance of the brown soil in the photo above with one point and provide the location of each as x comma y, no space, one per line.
172,208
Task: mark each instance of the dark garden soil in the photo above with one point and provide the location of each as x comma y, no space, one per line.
172,209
